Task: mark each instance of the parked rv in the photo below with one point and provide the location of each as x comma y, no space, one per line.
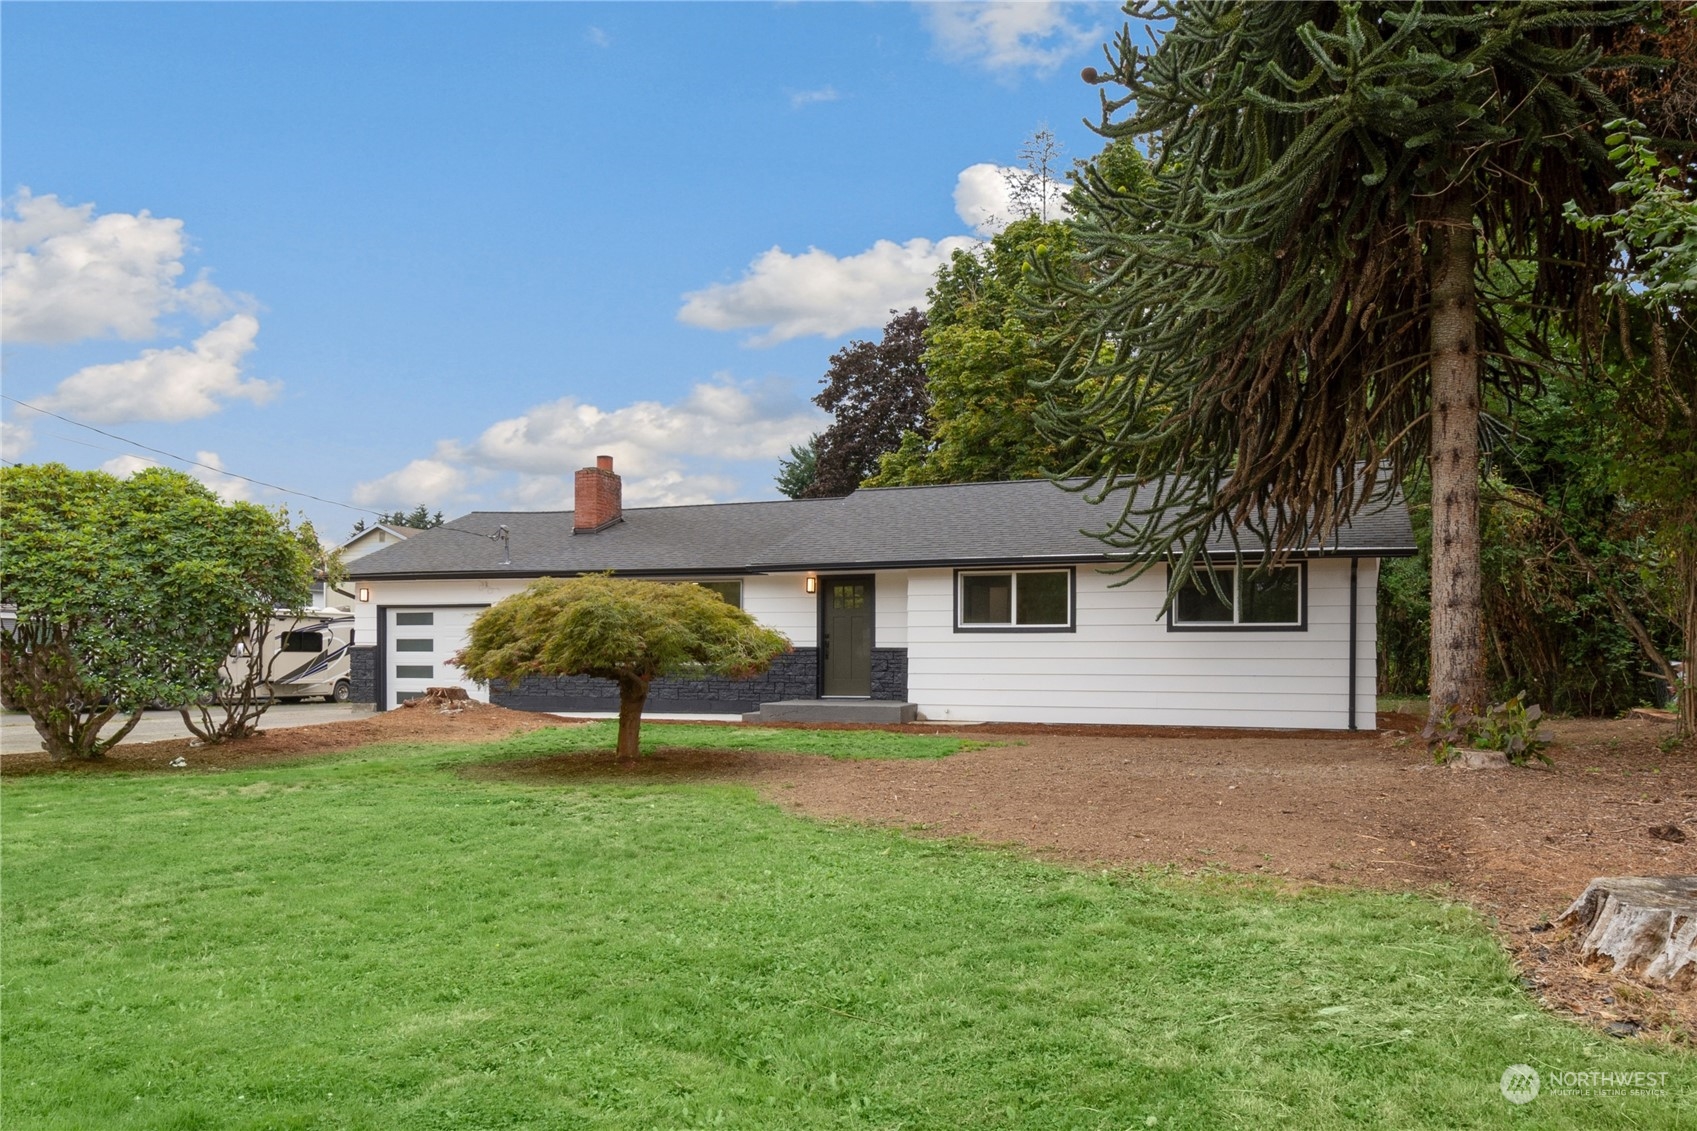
306,654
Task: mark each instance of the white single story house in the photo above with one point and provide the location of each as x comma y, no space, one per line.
969,602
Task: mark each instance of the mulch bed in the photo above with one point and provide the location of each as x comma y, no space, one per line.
1324,807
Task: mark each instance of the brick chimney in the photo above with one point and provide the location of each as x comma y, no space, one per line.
599,503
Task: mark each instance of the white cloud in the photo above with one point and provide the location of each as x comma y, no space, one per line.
800,98
1010,37
981,198
598,37
16,438
429,481
227,487
667,454
125,466
818,293
665,489
180,383
67,274
754,421
984,200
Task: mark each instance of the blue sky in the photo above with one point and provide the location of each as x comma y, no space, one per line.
389,253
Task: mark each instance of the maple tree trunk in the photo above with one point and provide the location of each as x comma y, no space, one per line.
1457,643
633,693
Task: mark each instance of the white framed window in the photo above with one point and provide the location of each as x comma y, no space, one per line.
1014,600
1238,599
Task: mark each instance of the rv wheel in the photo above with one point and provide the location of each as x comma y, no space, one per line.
342,693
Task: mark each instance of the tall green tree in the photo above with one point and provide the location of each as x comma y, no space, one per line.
875,392
988,344
127,593
630,632
993,341
419,518
796,474
1645,405
1300,305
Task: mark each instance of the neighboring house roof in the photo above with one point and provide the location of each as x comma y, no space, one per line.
367,542
890,527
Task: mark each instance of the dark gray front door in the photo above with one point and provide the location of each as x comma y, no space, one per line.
846,633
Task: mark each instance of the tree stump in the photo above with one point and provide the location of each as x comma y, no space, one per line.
443,699
1645,925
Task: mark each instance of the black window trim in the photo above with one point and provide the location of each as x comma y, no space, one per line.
992,571
741,584
1299,625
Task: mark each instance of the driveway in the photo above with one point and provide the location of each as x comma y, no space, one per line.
17,733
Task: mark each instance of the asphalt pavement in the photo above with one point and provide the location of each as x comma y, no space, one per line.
17,733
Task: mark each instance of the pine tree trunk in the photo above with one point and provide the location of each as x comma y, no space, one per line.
633,693
1458,654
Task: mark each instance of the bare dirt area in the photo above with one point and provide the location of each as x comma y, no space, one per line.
1366,809
1371,809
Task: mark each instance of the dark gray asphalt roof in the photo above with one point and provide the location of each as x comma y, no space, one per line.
1030,520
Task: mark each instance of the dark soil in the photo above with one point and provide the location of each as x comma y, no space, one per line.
1324,807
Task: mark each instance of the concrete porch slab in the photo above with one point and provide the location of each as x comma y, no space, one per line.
834,711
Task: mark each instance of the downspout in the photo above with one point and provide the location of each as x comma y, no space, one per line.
1354,564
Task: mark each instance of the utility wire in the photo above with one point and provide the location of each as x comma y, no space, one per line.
192,462
499,536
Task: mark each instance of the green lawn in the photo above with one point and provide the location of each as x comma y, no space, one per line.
599,738
375,941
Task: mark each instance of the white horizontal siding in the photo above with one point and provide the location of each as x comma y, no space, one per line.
1122,665
781,601
889,610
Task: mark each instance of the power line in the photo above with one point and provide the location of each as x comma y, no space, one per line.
192,462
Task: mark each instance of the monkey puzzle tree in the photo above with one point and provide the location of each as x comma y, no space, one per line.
630,632
1307,296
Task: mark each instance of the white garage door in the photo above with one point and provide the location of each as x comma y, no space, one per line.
421,641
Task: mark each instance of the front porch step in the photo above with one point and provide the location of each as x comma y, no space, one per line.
834,711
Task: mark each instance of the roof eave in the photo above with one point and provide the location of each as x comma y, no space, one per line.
819,565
